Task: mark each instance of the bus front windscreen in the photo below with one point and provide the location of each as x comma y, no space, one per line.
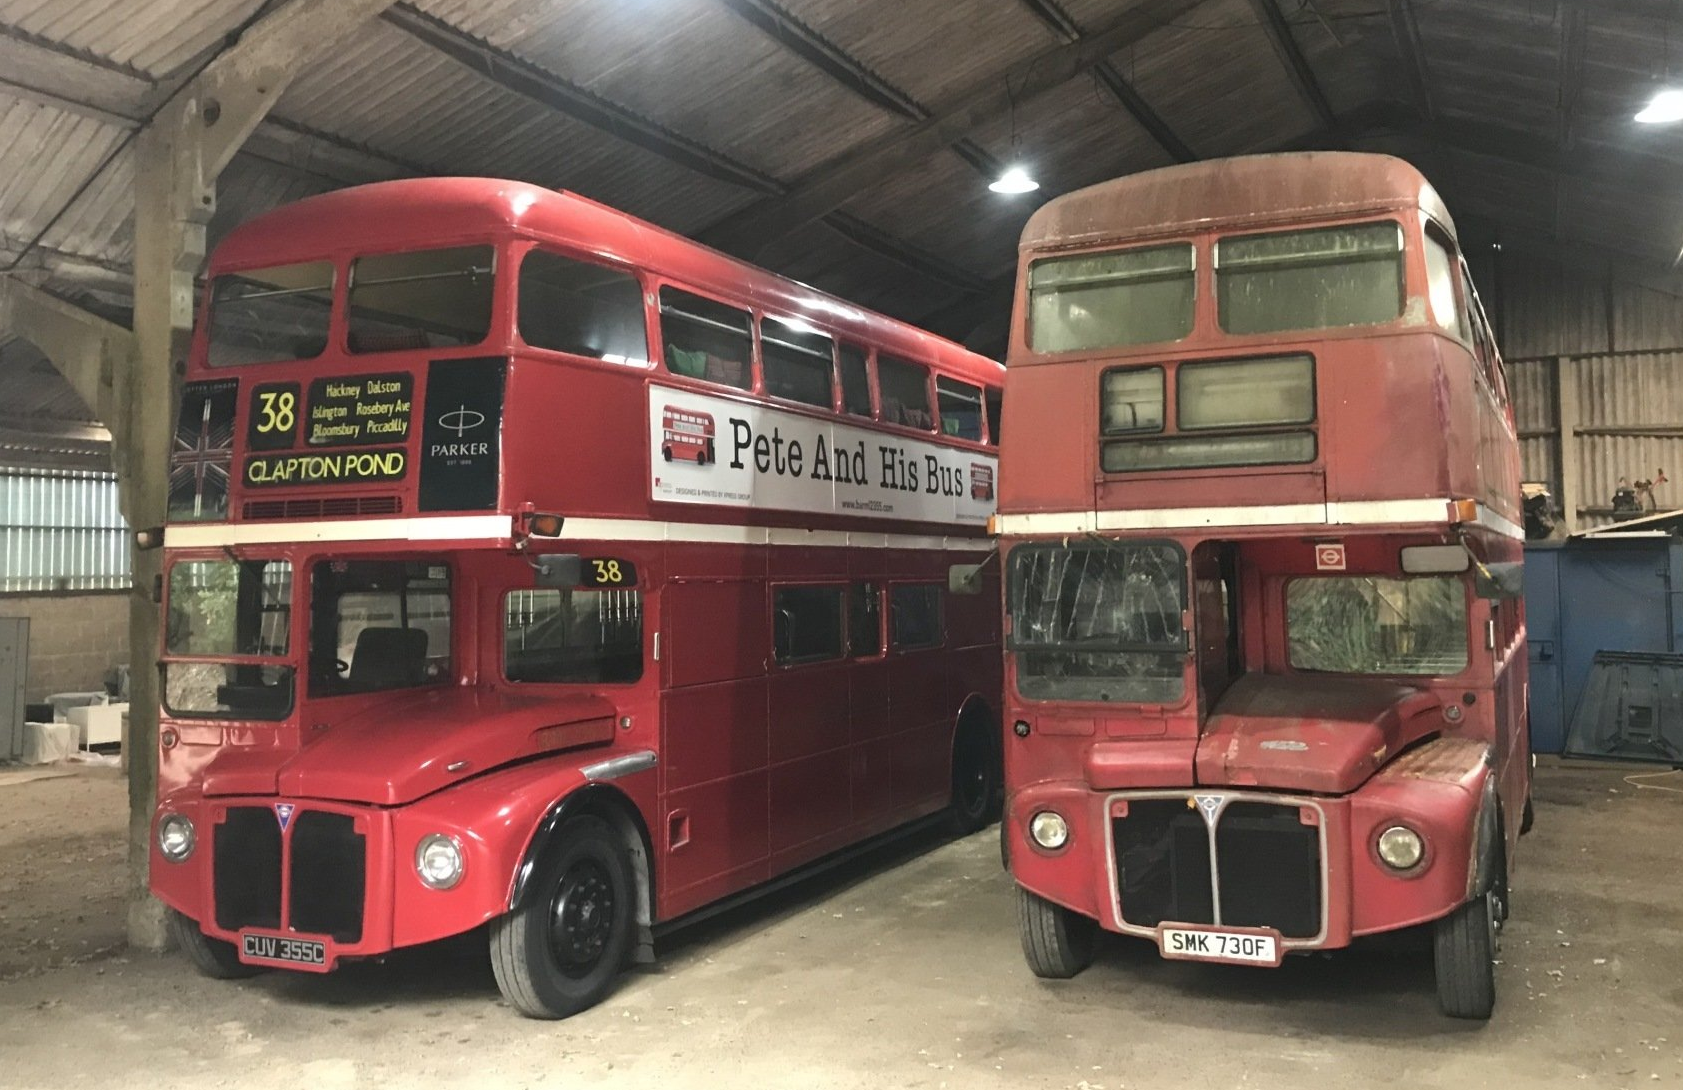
1099,621
224,617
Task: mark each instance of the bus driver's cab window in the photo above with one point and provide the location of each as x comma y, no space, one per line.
378,624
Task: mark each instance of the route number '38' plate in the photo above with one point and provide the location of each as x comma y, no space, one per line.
1227,945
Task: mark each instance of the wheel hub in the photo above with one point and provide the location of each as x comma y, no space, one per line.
581,919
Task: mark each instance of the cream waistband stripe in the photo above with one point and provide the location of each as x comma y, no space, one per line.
1358,513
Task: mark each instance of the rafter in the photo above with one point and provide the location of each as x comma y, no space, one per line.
1407,33
980,103
1574,40
1297,65
1065,26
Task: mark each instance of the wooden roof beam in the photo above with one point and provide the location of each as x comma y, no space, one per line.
1274,25
1112,80
1574,41
1407,32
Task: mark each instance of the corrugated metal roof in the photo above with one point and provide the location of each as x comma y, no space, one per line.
384,103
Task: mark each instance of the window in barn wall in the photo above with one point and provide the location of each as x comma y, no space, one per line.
61,530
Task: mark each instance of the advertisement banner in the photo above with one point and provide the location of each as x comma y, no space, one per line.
710,450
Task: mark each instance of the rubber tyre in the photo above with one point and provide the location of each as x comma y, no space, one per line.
1528,817
976,779
1464,954
1057,943
585,870
211,957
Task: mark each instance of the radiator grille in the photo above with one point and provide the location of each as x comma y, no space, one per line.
1267,859
247,869
329,862
331,507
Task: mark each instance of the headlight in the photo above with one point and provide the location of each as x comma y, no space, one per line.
1049,829
438,861
175,837
1401,847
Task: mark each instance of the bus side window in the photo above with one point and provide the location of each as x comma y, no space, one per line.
914,611
855,380
807,624
993,397
961,408
1441,269
706,339
796,361
588,310
905,392
864,620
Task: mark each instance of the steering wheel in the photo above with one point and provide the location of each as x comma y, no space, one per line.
341,667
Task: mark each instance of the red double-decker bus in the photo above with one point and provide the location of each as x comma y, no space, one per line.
532,566
1266,668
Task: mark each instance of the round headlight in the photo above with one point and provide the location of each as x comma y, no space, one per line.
175,837
1401,847
1049,829
438,861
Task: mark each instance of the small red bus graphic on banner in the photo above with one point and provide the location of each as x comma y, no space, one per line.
686,436
981,482
1329,556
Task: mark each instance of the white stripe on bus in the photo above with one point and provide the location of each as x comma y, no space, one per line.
1356,513
499,528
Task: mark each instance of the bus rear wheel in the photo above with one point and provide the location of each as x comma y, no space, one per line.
562,949
211,957
1057,943
976,776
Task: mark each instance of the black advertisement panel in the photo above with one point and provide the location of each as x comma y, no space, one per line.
203,453
461,435
271,420
359,410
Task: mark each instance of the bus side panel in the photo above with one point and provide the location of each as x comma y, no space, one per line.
810,760
921,718
557,457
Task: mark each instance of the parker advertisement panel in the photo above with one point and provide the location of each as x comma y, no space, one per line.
709,450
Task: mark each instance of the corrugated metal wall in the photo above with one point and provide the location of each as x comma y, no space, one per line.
1614,346
61,531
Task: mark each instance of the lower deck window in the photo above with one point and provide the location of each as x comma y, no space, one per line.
914,613
579,636
1368,624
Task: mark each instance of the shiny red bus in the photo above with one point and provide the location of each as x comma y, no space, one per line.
1266,666
531,566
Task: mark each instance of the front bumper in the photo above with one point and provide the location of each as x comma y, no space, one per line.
1298,865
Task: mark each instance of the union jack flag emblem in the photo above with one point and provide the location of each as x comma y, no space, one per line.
202,458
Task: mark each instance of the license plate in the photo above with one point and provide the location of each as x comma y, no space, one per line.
307,954
1231,946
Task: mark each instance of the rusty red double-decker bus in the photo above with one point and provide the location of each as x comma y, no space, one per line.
1266,666
531,566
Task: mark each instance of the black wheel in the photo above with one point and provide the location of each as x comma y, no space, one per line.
561,951
1528,817
976,778
707,454
1058,943
1464,954
666,451
211,957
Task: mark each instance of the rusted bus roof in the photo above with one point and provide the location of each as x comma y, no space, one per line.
1248,189
440,211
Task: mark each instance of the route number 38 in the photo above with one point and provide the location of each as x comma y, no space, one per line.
277,411
608,571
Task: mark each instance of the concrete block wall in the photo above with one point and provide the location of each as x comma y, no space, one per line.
73,638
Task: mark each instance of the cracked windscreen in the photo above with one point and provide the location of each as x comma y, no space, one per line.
1365,624
1099,621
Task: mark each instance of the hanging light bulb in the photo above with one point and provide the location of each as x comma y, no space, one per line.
1665,108
1014,180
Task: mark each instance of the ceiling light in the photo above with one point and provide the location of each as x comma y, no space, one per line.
1014,180
1666,107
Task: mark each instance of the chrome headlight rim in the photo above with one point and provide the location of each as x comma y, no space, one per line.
1048,830
423,850
184,842
1400,847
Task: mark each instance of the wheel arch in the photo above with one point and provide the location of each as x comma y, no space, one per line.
616,808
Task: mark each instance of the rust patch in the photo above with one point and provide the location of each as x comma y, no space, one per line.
1447,759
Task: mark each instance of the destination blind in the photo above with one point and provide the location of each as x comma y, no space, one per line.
371,412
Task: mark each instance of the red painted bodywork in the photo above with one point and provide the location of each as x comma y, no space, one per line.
1407,415
758,768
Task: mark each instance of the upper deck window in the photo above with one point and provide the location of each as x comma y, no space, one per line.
1368,624
1110,300
270,315
705,339
1440,286
588,310
855,380
421,299
961,408
1323,278
797,360
905,392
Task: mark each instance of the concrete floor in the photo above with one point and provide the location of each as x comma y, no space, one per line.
902,971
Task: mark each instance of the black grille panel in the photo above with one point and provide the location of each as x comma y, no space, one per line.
247,856
1268,861
329,864
311,507
1270,867
1163,863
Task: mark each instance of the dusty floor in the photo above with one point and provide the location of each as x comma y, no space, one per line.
903,971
